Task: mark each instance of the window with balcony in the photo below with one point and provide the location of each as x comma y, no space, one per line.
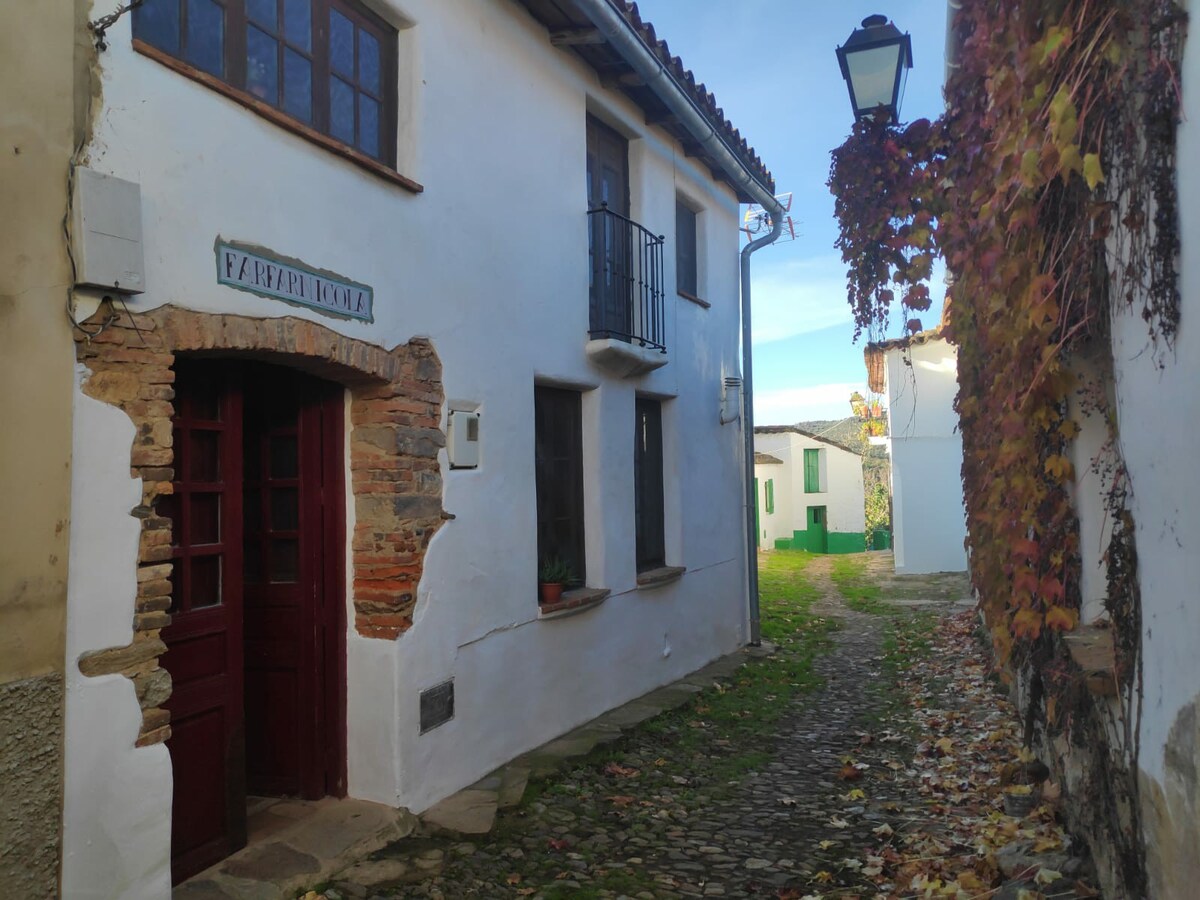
626,259
323,66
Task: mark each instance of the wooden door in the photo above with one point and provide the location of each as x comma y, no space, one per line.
610,237
607,168
293,539
204,639
818,530
256,644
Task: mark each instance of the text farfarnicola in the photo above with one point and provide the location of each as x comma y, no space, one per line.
260,273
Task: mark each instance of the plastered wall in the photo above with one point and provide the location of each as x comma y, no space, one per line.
1158,408
37,90
928,514
490,264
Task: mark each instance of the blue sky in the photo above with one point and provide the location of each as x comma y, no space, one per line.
772,67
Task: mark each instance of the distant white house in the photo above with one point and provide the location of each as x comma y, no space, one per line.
810,492
919,374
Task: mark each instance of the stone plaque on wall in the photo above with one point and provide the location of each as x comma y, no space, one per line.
259,271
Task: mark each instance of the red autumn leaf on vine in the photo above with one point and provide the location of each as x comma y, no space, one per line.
1051,589
1025,547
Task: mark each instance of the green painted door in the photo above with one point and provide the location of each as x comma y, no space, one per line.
816,535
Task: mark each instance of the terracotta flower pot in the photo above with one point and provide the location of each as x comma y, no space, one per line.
551,593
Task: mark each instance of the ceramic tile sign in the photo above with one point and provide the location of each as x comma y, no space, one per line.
267,274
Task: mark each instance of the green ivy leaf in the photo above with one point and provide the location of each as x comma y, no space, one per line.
1055,37
1092,172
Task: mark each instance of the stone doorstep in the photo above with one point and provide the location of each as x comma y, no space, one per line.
322,838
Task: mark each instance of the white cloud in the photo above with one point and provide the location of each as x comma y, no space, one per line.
805,295
787,406
798,297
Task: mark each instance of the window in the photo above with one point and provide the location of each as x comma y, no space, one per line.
686,264
329,65
558,439
812,471
770,500
648,485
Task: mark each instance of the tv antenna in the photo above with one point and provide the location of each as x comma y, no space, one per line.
757,221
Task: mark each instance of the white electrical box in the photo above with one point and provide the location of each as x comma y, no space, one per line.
106,233
463,439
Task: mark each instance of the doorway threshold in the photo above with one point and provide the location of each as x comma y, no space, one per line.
293,843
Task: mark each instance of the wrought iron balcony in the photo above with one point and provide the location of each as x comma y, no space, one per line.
626,282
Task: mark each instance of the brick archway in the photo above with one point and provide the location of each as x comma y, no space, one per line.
395,413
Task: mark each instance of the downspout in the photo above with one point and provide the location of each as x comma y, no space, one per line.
748,432
953,42
623,38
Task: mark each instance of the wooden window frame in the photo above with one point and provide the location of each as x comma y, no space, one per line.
813,485
233,83
649,486
688,288
558,418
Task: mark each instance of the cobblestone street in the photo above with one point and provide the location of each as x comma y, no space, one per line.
828,768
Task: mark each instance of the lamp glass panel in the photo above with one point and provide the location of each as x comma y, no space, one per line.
873,75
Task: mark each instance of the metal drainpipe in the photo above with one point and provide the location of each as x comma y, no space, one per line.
748,433
622,36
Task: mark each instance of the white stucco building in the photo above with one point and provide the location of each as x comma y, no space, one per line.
407,331
919,376
810,492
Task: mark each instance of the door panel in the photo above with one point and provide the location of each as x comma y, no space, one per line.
609,237
204,639
818,535
288,608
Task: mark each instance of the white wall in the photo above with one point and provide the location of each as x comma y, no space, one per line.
490,262
1158,407
841,483
778,523
117,797
928,513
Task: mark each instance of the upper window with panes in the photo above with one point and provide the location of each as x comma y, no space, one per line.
330,65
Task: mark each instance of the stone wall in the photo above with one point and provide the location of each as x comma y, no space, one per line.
396,402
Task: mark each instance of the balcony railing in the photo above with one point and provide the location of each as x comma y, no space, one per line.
626,280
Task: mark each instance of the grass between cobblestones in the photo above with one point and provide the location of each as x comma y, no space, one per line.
849,573
670,766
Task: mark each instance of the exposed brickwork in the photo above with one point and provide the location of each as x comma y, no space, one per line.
396,400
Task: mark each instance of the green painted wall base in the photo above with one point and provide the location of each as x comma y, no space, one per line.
847,542
839,541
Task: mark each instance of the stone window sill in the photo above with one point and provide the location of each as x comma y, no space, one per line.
697,300
653,578
573,603
1092,650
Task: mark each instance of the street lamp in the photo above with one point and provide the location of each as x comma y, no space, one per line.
875,61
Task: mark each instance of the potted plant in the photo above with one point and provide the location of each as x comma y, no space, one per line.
553,576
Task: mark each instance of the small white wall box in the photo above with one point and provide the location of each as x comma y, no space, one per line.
106,233
463,439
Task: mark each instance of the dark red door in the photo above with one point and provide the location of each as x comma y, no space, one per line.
204,640
292,454
255,648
